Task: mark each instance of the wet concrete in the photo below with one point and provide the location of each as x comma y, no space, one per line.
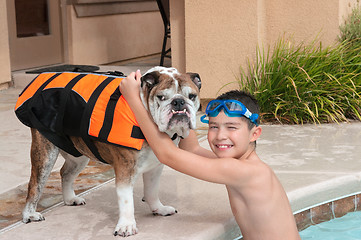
13,201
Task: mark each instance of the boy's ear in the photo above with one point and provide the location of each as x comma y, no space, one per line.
255,133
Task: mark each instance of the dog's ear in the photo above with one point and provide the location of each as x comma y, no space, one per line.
150,79
196,79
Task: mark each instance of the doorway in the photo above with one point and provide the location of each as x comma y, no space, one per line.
34,33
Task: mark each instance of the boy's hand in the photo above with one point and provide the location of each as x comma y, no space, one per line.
130,87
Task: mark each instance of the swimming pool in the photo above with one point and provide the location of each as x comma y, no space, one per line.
347,227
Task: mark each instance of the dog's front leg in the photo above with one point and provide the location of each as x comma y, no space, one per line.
126,224
151,190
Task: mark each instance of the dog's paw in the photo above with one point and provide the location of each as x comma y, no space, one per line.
76,201
126,230
33,217
164,211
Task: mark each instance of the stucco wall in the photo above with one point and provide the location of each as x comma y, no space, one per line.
177,33
219,36
5,71
106,39
302,20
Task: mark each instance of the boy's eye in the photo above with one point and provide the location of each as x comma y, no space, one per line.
161,97
192,96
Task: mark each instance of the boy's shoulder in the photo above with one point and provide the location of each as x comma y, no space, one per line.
259,166
251,162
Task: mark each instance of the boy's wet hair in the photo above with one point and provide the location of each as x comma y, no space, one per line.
247,99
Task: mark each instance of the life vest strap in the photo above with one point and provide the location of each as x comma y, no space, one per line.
63,102
137,133
65,143
109,115
32,117
86,118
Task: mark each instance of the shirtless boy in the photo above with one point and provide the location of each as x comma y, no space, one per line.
257,198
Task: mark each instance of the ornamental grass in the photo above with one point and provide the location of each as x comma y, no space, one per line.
309,83
306,83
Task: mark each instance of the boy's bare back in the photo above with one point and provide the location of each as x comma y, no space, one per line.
260,205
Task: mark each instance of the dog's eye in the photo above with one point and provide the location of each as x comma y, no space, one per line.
192,96
161,97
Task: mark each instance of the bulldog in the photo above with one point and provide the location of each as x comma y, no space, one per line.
82,126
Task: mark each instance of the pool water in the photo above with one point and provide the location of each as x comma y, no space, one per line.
347,227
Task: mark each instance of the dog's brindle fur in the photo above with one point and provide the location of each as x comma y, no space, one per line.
127,163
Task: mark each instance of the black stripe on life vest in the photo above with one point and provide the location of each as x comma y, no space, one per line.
51,136
28,85
59,125
137,133
109,115
86,118
33,119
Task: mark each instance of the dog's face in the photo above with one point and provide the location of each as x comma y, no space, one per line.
172,99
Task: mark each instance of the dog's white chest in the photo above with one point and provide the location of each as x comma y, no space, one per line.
146,160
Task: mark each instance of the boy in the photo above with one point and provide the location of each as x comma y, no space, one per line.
257,198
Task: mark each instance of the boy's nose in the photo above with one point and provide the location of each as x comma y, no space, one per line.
221,134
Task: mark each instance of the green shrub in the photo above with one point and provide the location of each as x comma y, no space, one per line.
306,83
350,30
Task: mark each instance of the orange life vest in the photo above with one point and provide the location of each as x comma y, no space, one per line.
87,105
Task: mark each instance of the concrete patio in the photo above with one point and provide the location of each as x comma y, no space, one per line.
315,163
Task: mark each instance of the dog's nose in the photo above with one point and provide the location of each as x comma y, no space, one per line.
178,104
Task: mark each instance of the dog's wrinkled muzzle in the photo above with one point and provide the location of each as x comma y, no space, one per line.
179,108
178,104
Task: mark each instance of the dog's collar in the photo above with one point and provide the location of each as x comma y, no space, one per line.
175,136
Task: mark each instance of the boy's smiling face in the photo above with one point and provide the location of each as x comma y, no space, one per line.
230,136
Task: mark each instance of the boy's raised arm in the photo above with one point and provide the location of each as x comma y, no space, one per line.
191,144
167,152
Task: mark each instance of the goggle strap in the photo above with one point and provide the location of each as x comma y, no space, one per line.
248,114
203,120
254,118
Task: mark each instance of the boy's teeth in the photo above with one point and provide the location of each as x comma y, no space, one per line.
223,146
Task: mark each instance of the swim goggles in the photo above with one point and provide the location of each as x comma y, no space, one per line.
232,108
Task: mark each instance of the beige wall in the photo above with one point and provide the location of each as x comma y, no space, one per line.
302,19
5,71
219,36
177,33
106,39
